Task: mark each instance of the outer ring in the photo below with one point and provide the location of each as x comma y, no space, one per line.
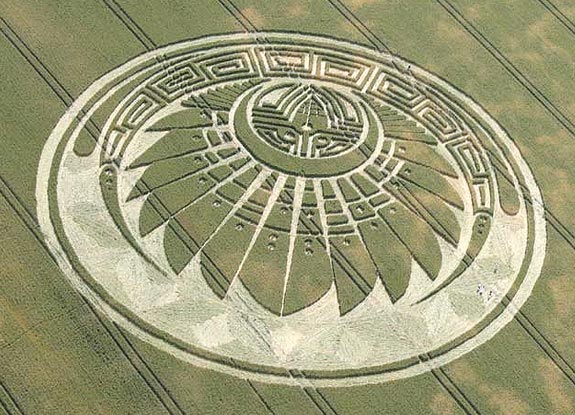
51,238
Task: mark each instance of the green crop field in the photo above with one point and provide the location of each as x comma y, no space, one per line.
277,207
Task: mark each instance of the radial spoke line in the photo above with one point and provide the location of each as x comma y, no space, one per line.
205,169
27,218
343,258
221,184
278,186
297,202
413,206
460,398
323,218
393,173
369,178
255,185
551,218
292,220
348,213
343,203
136,30
210,149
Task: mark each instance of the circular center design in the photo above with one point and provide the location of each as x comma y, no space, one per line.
322,130
292,204
307,120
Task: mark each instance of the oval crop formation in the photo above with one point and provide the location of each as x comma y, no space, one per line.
280,206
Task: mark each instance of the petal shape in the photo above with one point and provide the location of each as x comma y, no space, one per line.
186,118
310,275
164,172
174,143
432,210
355,273
174,197
390,254
225,251
349,293
264,271
480,231
178,252
508,198
150,219
425,155
417,236
432,181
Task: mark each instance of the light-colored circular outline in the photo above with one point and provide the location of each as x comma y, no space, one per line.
75,112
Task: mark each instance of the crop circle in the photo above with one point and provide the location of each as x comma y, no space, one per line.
278,206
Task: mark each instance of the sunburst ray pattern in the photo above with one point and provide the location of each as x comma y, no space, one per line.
287,237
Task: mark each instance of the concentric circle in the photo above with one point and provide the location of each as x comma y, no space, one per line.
320,131
282,207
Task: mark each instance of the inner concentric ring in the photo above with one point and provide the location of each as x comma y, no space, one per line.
305,129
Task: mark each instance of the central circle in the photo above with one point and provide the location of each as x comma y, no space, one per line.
305,129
